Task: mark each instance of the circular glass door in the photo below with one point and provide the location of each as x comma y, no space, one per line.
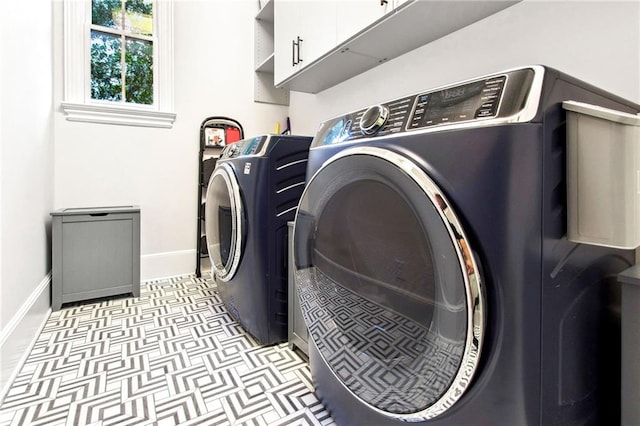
223,222
388,286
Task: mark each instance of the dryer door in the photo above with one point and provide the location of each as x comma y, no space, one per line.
388,286
223,222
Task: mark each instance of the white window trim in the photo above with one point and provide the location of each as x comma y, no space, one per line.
78,105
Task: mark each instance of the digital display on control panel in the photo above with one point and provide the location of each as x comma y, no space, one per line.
479,99
336,133
251,146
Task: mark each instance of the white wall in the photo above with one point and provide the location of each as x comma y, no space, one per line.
26,176
100,165
597,41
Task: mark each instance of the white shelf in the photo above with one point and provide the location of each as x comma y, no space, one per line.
266,66
264,90
266,13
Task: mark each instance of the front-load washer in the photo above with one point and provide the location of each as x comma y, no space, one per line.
252,193
433,269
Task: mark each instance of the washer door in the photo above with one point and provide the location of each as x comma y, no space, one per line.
223,222
388,286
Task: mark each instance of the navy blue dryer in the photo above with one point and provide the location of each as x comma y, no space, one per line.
433,269
253,192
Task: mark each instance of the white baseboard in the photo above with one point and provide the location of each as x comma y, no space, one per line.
19,336
169,264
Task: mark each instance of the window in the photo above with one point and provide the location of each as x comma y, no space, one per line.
118,62
122,51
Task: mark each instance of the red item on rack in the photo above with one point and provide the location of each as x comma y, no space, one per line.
232,134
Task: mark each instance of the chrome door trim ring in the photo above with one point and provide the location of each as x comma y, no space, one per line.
474,287
225,171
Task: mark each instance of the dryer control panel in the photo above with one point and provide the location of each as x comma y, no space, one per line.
471,101
487,100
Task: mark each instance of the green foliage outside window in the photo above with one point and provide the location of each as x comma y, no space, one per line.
106,67
139,81
116,28
102,12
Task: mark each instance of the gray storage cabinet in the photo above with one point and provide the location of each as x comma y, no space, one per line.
96,253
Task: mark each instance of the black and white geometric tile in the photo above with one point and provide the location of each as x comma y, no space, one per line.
173,356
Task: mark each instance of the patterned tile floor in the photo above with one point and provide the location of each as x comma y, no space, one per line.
173,356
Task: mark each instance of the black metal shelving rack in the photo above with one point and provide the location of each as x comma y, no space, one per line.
229,130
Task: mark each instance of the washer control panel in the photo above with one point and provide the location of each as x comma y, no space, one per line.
231,150
483,99
244,147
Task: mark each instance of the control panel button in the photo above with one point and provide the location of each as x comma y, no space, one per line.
234,150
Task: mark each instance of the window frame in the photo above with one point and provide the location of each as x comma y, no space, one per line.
78,105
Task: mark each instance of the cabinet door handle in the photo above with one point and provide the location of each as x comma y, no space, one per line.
293,53
298,45
383,2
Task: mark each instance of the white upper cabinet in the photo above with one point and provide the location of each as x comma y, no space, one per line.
319,44
304,31
318,29
354,16
287,16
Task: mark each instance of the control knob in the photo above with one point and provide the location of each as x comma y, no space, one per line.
373,119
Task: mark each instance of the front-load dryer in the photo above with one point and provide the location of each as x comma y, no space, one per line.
252,193
433,269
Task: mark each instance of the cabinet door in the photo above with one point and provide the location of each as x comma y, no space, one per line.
356,15
287,21
98,257
304,31
318,29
